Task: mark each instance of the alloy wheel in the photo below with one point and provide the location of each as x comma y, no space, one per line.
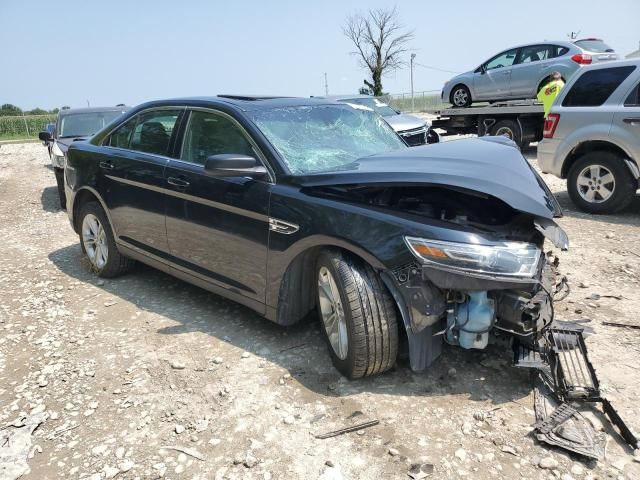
332,313
596,184
460,97
94,239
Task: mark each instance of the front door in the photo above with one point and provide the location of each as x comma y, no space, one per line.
133,176
218,228
492,80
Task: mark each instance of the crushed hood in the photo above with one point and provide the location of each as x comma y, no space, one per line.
489,165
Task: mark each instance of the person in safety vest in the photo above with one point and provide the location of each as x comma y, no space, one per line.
550,91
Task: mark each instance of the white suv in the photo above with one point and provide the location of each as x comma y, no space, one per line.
592,136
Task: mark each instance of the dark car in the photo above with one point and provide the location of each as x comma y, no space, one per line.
287,205
72,125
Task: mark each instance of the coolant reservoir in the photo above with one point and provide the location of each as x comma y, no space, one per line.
470,322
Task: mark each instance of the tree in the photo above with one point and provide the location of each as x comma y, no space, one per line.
380,42
8,109
37,111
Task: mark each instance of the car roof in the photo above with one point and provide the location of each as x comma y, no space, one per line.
242,102
343,97
70,111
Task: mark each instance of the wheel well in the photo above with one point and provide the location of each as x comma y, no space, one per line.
297,293
82,197
587,147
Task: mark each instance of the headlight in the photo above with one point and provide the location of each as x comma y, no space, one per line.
510,259
56,150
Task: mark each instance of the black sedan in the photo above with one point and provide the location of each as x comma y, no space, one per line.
290,205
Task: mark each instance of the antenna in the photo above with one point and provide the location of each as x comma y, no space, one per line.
573,35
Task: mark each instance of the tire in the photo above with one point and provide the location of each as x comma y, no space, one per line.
113,263
368,322
622,187
460,96
508,128
59,172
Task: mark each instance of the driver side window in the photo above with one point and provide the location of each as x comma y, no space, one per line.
210,133
504,59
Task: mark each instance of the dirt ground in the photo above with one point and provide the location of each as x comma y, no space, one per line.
146,376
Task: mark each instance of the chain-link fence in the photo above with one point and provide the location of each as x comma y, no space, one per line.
23,126
426,101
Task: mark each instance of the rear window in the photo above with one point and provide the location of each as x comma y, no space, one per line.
596,46
594,87
633,100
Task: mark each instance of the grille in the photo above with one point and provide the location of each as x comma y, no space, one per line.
414,137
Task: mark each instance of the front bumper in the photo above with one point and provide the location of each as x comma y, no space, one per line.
427,296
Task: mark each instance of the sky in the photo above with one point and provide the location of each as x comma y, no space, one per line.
71,52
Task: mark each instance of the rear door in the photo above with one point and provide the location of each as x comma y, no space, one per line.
218,228
492,80
626,120
133,175
533,63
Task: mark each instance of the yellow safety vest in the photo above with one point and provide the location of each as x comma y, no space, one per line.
548,94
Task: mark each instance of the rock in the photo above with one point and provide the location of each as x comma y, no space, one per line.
461,454
509,449
218,360
42,381
419,471
394,452
480,416
584,285
548,463
177,365
110,472
467,428
452,372
609,235
99,450
489,457
289,420
126,465
250,461
179,469
120,453
329,463
179,429
577,469
619,464
244,355
89,412
566,476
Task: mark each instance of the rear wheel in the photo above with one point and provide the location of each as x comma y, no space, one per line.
600,182
509,129
98,242
460,96
357,315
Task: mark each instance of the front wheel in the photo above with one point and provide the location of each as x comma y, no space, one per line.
460,96
600,182
357,314
98,243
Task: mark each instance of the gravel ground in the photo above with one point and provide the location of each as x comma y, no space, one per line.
146,376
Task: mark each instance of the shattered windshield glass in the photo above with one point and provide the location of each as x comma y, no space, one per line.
323,138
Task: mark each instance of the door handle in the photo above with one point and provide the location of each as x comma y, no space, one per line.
107,165
177,182
632,121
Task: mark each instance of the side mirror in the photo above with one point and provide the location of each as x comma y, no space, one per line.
233,165
483,69
45,136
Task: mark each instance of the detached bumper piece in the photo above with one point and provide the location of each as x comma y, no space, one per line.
565,381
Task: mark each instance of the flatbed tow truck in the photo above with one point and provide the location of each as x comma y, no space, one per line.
520,120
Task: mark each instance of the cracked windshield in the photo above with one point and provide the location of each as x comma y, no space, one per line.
325,137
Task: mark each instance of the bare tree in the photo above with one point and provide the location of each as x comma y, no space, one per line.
380,42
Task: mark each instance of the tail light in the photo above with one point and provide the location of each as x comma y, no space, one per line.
550,124
582,58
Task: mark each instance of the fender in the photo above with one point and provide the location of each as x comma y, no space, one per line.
94,192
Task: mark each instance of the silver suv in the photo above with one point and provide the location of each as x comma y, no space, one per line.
592,136
520,72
